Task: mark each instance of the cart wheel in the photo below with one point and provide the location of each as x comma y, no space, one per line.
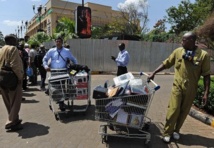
104,129
50,107
146,126
148,144
104,139
56,116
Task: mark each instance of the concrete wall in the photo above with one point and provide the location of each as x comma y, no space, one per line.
96,54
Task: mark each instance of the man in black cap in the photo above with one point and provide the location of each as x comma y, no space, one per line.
122,60
12,97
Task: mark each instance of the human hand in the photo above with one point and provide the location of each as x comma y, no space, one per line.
204,100
113,58
151,76
48,69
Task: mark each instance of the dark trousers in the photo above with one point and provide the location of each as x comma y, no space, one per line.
43,73
121,70
33,78
24,82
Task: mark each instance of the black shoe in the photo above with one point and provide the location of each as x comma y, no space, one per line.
47,92
42,89
15,128
10,125
62,106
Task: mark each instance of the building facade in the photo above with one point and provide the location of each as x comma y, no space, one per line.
55,9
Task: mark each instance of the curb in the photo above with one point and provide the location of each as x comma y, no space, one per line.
202,117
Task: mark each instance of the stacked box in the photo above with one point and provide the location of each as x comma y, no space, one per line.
81,81
82,93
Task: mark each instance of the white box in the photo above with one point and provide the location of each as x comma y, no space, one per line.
123,78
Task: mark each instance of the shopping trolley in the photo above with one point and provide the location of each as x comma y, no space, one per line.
126,115
68,88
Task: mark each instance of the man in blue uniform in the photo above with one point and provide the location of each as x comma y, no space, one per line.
59,57
122,60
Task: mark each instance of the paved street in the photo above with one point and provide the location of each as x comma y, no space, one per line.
41,130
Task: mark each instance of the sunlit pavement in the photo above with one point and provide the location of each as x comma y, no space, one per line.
41,129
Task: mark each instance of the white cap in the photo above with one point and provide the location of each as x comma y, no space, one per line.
26,45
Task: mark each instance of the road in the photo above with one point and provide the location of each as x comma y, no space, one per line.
81,131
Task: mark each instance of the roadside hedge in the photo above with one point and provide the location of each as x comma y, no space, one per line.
209,107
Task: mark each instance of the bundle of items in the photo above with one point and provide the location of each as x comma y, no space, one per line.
123,85
75,68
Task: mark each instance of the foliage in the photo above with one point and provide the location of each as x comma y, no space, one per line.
182,18
38,39
188,16
206,32
1,39
65,28
158,34
209,107
97,32
114,28
135,14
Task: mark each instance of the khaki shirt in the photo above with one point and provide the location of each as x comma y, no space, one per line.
186,71
10,54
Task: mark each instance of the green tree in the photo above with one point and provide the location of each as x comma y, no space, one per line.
97,32
38,39
206,32
187,16
134,13
2,39
158,34
113,28
65,28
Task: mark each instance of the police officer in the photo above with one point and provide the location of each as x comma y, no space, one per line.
122,60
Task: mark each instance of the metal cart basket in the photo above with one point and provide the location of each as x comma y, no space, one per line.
65,87
126,115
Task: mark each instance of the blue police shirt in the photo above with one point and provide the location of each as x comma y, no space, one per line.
57,62
122,58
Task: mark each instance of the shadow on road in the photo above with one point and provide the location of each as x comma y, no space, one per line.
31,130
28,94
30,101
196,140
77,116
156,141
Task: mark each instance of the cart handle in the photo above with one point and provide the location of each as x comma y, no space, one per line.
156,85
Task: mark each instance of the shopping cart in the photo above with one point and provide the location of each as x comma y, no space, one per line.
68,88
126,115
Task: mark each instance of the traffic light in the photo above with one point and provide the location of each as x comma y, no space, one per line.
83,22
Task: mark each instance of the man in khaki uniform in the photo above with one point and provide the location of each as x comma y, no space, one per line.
12,98
190,63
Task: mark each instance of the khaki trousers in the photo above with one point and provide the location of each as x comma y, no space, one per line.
179,106
12,101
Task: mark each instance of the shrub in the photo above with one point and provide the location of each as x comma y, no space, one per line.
209,107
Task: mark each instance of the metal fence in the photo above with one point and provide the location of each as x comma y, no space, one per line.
96,53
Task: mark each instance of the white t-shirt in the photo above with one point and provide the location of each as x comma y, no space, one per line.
32,53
